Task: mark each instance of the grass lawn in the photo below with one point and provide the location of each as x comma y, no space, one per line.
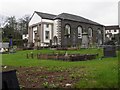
90,74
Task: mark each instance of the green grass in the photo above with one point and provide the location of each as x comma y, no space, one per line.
98,73
19,58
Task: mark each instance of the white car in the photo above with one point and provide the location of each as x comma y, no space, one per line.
4,47
3,50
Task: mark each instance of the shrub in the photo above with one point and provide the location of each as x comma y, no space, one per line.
46,85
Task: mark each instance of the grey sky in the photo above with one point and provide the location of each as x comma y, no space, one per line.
102,11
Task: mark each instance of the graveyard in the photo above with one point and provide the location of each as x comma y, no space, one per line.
34,72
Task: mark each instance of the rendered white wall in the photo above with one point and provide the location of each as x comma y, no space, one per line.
34,29
55,28
35,19
47,20
112,31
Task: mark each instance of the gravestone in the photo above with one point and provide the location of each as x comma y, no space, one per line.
99,37
66,42
9,80
50,43
109,49
85,41
74,39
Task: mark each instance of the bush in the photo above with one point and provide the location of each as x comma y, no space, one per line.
18,42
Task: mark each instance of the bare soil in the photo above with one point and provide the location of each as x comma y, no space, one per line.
43,77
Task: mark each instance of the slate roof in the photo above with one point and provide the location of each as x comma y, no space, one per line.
112,27
75,18
67,17
46,15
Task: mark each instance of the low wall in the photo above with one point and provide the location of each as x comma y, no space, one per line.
68,57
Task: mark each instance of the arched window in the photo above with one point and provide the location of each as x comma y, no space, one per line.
90,32
79,32
67,29
55,40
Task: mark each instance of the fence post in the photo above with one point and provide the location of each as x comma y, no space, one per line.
32,55
27,56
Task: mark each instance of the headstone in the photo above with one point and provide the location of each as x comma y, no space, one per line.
65,41
50,43
35,45
85,41
74,40
9,80
109,49
99,37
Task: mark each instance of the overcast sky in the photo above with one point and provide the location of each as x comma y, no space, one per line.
101,11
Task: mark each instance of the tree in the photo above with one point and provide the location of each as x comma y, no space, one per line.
23,24
11,27
2,21
15,28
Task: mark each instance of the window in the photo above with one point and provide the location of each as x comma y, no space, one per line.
39,24
90,32
35,33
79,32
46,34
55,40
47,25
67,30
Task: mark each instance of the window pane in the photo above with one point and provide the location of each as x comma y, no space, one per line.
67,29
79,32
47,25
47,34
90,32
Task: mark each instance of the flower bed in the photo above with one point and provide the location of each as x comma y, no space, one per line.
69,57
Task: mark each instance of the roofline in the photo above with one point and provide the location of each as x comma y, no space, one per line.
38,15
67,19
81,22
79,16
112,26
32,16
45,13
47,18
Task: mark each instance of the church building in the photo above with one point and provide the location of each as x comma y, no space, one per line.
63,30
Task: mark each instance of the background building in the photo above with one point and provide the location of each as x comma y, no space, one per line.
112,32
